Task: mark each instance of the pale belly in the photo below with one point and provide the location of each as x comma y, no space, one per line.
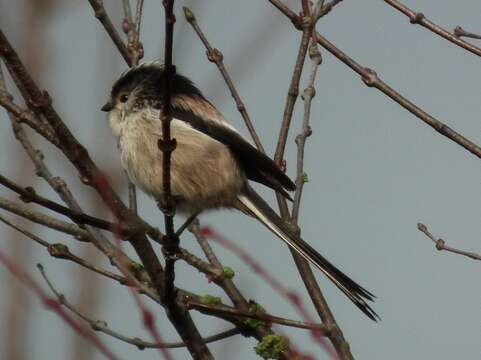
204,173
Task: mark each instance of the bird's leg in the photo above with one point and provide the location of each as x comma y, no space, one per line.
187,222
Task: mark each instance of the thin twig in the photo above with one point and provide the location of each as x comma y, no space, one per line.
307,96
212,272
371,79
231,312
192,218
101,15
277,285
293,91
441,244
28,194
215,55
167,145
101,326
29,118
28,88
89,173
419,18
229,287
460,32
288,12
42,219
53,304
61,251
34,237
177,313
138,20
336,336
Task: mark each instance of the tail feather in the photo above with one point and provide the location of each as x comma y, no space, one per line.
264,213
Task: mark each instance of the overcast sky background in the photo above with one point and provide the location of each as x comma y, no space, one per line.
374,170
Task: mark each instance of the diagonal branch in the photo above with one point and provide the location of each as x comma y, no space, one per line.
371,79
227,311
215,55
441,244
227,284
101,326
28,194
53,305
419,18
101,15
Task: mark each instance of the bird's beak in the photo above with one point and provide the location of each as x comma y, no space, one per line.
107,107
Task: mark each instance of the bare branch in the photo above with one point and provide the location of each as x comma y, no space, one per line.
441,245
42,219
167,145
229,287
419,18
293,91
53,305
101,15
307,97
371,79
27,117
215,55
28,194
101,326
460,32
138,20
288,12
223,310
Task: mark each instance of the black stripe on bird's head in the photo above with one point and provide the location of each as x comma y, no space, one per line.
146,80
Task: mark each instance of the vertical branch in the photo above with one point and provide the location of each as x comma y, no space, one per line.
138,19
336,336
177,313
307,96
318,300
293,91
167,146
131,27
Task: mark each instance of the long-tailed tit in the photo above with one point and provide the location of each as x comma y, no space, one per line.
211,165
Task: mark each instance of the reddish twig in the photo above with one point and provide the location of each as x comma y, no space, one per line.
101,326
441,244
230,288
419,18
53,304
286,293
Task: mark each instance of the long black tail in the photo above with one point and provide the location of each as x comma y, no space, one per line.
264,213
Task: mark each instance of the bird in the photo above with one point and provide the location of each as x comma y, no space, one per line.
211,165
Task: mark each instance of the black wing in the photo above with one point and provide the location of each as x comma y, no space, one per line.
256,165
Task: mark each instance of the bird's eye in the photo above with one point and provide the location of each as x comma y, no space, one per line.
123,98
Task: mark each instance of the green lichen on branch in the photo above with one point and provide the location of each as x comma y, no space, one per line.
254,308
210,300
271,346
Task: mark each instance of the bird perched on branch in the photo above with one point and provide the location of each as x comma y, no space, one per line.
211,165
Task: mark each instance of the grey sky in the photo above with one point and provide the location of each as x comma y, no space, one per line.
374,170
